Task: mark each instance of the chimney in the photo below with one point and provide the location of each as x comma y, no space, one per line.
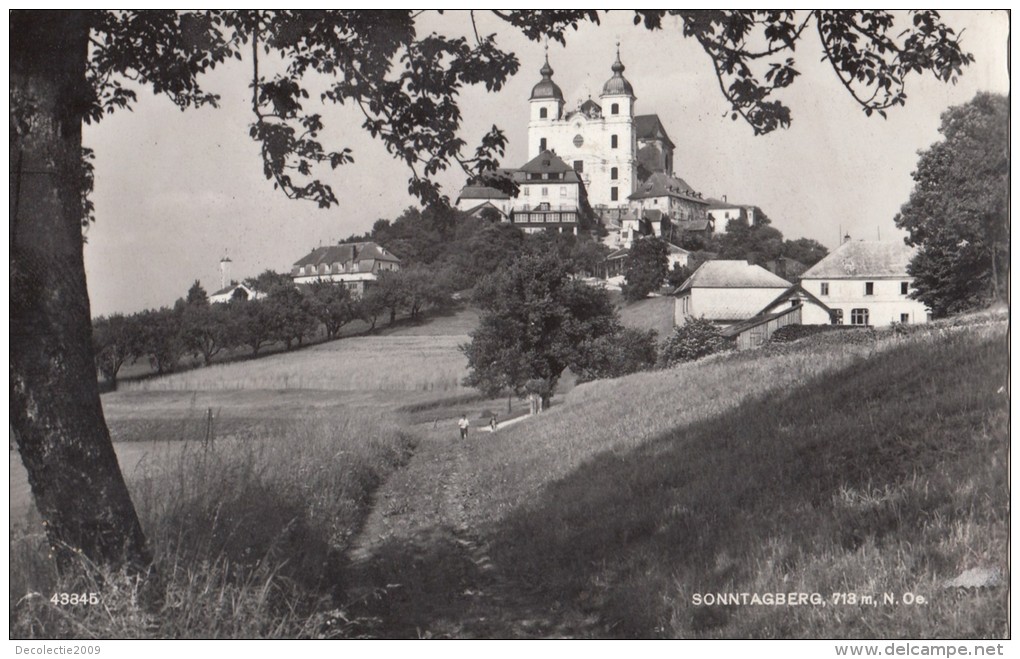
354,252
846,238
724,199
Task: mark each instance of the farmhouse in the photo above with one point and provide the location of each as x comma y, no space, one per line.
356,265
866,283
726,292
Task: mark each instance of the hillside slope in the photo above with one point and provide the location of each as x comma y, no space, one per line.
875,467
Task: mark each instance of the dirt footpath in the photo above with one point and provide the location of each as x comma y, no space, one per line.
419,569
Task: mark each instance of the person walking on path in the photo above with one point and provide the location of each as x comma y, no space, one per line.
492,423
463,424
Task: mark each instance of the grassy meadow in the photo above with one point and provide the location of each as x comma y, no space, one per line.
855,462
873,465
249,537
254,477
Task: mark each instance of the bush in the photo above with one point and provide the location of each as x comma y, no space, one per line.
789,333
629,351
695,339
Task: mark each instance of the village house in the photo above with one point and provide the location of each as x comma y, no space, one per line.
355,265
866,283
722,211
726,292
474,199
670,195
234,291
551,197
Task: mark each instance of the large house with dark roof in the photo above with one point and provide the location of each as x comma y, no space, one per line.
356,265
866,283
551,196
683,207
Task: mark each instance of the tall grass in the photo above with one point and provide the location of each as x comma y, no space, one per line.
249,537
873,467
401,363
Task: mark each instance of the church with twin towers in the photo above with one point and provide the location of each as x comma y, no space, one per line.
610,146
595,156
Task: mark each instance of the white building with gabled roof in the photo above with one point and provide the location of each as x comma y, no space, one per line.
865,282
726,292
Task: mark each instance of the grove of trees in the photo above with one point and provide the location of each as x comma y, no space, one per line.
71,67
287,315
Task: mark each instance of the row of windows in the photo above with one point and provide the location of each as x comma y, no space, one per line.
860,317
324,269
614,142
543,113
545,192
869,288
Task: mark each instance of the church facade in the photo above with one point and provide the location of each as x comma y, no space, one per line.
610,147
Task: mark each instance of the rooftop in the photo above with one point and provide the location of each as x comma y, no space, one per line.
732,274
345,253
648,127
660,184
863,258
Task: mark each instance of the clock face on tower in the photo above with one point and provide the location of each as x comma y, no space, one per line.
578,140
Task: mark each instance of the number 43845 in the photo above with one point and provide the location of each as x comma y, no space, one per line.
75,599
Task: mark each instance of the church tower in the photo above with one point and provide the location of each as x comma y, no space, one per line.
620,172
546,109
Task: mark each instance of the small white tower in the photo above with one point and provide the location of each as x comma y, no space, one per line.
546,108
224,267
617,97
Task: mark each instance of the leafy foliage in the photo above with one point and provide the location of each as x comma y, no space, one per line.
535,318
115,340
646,269
958,212
332,304
872,55
611,356
694,339
406,84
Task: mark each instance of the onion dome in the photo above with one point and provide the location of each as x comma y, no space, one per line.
617,84
546,88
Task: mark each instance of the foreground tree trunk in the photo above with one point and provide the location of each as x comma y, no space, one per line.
55,411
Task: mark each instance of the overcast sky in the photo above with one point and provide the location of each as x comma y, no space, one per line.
176,191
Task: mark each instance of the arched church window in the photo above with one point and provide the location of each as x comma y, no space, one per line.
541,144
615,108
614,173
614,141
543,113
